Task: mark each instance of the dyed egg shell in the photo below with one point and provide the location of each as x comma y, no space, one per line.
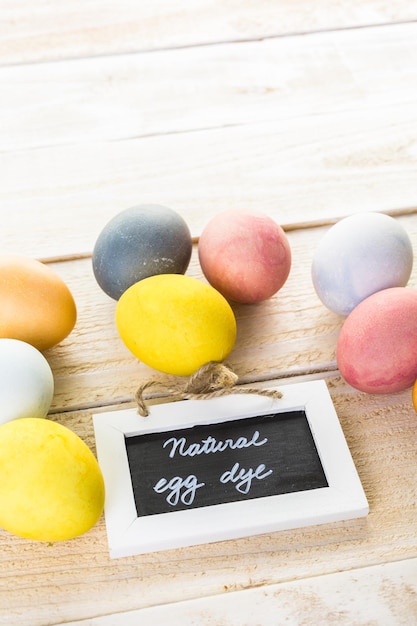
246,256
414,396
358,256
51,486
175,323
377,346
26,381
142,241
36,305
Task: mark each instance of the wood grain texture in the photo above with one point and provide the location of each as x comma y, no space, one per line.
75,580
78,29
131,96
390,589
293,170
82,141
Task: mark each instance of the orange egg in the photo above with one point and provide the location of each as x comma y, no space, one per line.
36,304
414,395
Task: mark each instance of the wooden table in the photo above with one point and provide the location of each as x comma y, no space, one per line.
306,111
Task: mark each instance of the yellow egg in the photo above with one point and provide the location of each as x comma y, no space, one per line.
36,304
51,486
175,323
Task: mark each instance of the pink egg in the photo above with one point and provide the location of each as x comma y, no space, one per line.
377,346
244,255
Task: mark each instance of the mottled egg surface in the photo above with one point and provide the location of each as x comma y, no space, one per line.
359,256
377,345
244,255
51,486
142,241
414,395
36,304
26,381
175,323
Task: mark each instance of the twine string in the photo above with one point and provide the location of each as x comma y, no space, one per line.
211,380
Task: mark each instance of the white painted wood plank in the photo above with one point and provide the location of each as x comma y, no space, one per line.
81,141
57,200
132,96
56,30
383,594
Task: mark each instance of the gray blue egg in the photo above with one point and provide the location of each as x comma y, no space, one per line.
358,256
142,241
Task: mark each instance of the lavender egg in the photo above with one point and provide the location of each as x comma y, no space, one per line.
358,256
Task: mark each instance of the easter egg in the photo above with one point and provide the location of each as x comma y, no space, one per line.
51,486
414,395
26,381
142,241
358,256
36,305
244,255
175,323
377,345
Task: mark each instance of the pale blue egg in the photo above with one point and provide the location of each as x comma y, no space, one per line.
358,256
26,381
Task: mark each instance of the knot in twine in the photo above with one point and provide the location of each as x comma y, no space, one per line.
211,380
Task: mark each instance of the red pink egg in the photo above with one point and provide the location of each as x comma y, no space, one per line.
377,346
244,255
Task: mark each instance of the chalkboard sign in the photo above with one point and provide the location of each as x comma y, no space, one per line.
200,471
204,465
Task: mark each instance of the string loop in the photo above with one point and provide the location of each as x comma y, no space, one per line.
211,380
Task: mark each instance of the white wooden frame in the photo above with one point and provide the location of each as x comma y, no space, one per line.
129,534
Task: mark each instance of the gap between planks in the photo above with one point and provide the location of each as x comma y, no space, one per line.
308,224
207,44
275,378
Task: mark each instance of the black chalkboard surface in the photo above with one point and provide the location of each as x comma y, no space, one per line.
211,464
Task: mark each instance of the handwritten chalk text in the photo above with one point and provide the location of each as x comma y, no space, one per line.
243,478
179,489
210,445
